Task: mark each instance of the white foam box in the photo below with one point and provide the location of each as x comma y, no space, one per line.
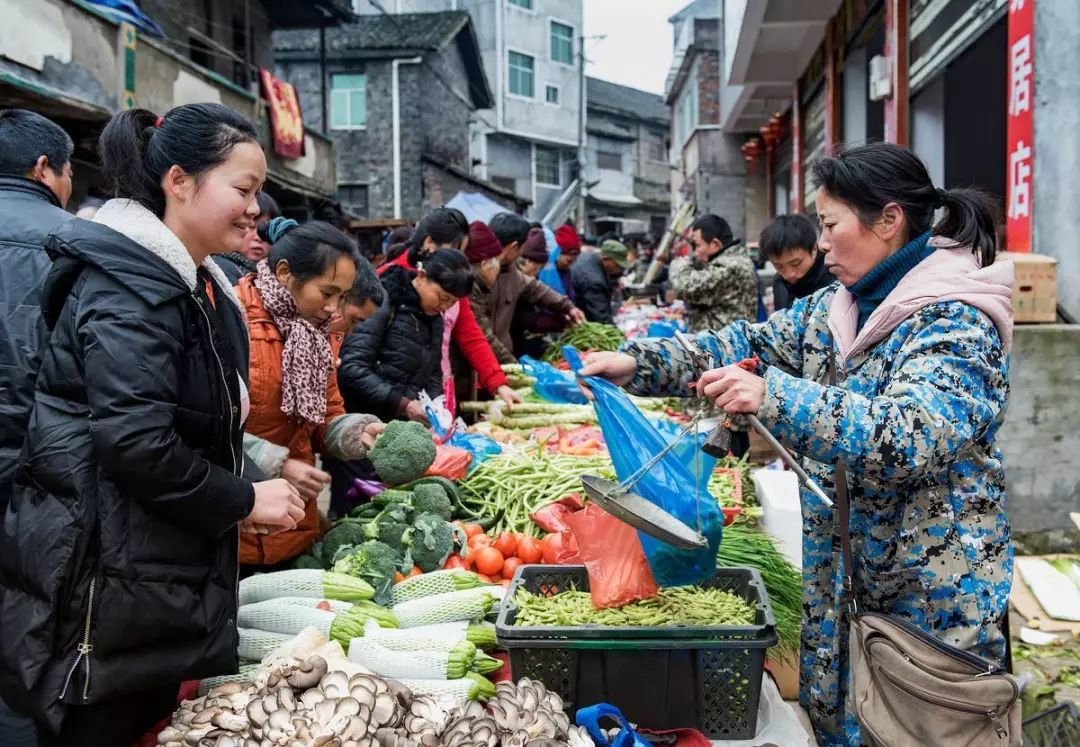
778,495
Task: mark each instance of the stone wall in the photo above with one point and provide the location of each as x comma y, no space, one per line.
1039,439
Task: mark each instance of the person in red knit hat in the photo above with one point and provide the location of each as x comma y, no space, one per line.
566,236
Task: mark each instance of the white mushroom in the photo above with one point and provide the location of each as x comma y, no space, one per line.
311,698
335,684
230,721
307,673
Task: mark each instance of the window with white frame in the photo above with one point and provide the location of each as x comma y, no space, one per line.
526,4
521,74
547,166
562,43
348,101
551,94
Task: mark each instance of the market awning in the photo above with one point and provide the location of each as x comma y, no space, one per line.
611,198
476,206
626,225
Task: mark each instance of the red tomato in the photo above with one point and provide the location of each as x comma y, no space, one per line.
506,544
398,577
415,571
324,605
472,529
510,565
529,550
551,546
455,561
478,541
484,577
489,561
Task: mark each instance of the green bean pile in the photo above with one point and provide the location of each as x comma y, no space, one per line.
681,605
518,484
586,336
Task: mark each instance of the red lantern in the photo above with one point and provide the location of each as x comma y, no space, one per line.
751,151
776,127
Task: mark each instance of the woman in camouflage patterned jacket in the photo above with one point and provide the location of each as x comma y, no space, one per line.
920,327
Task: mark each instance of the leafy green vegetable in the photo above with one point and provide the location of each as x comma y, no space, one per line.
389,526
343,533
373,561
431,498
308,561
402,453
430,541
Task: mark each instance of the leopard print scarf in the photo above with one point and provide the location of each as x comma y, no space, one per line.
306,361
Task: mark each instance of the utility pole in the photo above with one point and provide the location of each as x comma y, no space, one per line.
581,136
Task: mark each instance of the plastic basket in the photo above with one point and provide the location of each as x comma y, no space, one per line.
1057,727
703,677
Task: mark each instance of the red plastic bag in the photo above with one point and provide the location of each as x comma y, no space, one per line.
550,517
611,551
450,462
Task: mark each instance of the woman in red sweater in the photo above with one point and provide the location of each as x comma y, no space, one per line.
447,227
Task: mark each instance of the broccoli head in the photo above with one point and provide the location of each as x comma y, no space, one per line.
389,526
308,561
402,453
431,498
374,562
343,533
430,541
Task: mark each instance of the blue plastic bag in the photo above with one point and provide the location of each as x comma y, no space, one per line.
556,386
590,719
481,447
672,484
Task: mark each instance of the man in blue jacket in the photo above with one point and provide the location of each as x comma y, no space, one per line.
35,185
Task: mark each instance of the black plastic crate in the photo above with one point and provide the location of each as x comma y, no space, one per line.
703,677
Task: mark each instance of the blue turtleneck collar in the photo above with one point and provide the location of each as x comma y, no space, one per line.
874,286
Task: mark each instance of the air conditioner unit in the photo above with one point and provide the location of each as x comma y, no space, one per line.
880,78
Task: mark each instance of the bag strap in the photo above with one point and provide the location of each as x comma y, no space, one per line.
843,511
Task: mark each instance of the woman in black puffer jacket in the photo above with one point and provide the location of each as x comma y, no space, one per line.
397,353
118,565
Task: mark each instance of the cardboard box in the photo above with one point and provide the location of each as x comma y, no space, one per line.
1035,292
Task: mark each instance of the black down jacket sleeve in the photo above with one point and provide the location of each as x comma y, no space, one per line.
131,356
361,385
594,299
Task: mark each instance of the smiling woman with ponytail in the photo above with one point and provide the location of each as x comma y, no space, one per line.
899,372
119,560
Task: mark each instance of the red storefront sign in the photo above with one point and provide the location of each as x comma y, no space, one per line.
286,122
1020,130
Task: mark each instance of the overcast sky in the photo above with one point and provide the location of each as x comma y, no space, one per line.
637,50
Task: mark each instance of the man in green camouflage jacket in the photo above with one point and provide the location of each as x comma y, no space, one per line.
717,282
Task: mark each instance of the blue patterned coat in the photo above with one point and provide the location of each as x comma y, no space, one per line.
915,416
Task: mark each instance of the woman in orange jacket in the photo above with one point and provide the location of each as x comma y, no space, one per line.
297,411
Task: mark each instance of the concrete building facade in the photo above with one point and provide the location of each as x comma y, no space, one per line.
400,92
707,166
526,141
78,65
626,161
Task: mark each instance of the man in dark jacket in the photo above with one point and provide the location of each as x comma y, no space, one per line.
596,278
790,243
35,185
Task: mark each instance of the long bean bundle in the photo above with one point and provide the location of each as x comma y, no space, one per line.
743,546
586,336
518,484
680,605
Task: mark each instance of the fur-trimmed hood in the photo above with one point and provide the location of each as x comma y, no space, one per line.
399,289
